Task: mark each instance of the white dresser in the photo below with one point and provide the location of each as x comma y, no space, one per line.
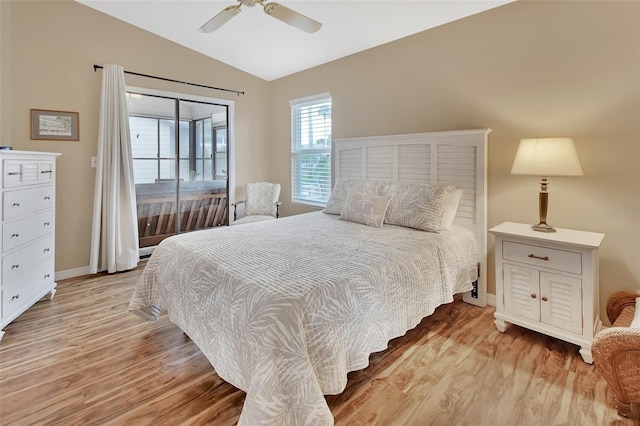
548,282
28,231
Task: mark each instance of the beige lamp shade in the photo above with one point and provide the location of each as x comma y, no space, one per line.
547,157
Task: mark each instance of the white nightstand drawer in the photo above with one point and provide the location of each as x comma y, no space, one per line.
561,260
26,201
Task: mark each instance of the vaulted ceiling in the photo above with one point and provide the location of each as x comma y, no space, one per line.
268,48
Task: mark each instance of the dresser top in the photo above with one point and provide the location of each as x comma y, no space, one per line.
17,153
568,236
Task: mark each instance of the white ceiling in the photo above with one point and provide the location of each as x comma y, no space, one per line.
268,48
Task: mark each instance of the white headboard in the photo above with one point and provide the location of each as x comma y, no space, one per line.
438,158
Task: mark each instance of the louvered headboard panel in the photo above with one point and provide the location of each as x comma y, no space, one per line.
439,158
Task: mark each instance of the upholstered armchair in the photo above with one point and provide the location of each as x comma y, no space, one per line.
616,353
261,203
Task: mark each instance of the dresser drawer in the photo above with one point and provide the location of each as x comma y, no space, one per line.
27,290
26,201
27,172
561,260
25,259
24,230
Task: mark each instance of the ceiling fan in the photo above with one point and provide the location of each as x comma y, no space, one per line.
273,9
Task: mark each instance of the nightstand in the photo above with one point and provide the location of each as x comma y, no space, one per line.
548,282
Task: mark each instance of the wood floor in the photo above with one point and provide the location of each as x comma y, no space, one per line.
82,359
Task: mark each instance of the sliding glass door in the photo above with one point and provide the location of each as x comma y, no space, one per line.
180,161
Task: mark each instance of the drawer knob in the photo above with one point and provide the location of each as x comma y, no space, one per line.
16,266
544,298
16,297
14,173
47,197
47,250
15,235
46,224
46,276
533,256
16,204
46,171
533,295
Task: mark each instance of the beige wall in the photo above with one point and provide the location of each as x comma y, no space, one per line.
5,72
53,49
525,69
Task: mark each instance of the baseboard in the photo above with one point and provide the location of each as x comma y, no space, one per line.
72,273
85,270
491,299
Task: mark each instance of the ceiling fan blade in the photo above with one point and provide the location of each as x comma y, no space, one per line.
291,17
220,19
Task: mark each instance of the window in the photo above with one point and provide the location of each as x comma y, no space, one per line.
153,149
311,150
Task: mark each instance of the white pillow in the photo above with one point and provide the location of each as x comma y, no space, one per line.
364,208
417,205
342,188
636,316
451,208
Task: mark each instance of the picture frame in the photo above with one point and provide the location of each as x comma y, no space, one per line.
55,125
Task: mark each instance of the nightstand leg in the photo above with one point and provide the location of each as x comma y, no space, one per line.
501,325
586,355
52,293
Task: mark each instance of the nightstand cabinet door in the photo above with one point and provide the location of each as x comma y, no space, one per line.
561,302
521,291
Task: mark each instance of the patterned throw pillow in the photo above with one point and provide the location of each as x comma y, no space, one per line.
366,209
451,208
344,186
417,205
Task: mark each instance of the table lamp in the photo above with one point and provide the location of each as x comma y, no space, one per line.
546,157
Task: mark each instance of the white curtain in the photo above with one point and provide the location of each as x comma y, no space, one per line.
114,235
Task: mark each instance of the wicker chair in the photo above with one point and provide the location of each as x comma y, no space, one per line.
616,353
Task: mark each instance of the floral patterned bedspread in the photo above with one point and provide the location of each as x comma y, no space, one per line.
284,309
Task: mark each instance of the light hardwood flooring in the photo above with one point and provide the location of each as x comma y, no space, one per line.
82,359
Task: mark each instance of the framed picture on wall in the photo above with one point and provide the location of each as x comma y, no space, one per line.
55,125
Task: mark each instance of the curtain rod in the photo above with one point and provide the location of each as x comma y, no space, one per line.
237,92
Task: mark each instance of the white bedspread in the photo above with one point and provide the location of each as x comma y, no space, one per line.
284,309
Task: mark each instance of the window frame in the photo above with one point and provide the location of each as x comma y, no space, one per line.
297,151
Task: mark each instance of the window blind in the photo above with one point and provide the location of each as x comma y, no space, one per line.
311,150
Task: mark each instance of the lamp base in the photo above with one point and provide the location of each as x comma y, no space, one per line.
543,227
543,203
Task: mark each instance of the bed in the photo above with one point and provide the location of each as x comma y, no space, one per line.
285,309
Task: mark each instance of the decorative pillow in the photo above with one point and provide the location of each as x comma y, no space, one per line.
451,208
343,186
261,198
364,208
417,205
